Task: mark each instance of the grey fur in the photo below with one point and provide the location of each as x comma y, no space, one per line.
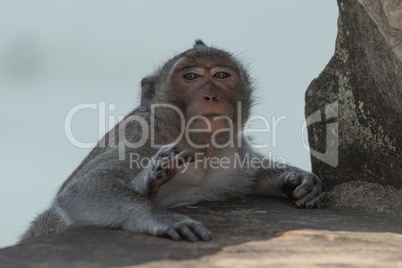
107,192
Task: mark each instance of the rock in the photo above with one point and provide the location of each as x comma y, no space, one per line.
393,11
251,232
366,196
354,107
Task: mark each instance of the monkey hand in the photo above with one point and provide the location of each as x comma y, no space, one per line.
305,187
165,165
177,226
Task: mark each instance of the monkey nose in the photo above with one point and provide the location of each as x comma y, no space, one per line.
210,94
211,98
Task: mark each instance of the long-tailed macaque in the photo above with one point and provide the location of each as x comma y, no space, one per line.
184,144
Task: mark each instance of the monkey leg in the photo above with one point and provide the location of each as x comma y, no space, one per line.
165,165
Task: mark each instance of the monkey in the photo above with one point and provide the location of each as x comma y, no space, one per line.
192,115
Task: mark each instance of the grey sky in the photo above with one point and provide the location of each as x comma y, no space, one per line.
57,54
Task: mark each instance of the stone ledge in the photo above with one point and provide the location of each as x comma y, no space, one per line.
255,232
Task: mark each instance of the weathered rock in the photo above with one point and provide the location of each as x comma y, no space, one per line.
366,196
363,82
251,232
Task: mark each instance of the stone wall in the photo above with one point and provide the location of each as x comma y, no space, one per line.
357,100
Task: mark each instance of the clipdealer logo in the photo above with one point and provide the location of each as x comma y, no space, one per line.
330,156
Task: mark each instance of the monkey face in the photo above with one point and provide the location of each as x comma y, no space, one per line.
210,88
206,91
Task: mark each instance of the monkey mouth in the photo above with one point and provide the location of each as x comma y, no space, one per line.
213,116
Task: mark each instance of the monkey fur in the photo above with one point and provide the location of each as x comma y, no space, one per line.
210,87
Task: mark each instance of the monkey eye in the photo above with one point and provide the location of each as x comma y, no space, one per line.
191,76
221,75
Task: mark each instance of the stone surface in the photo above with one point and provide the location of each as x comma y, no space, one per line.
366,196
393,11
363,82
251,232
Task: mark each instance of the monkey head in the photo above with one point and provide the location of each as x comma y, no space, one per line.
210,86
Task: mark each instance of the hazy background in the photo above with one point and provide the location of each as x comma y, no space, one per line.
57,54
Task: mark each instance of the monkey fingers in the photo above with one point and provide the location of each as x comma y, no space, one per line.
165,166
182,227
159,177
185,157
172,233
291,181
201,231
309,192
308,181
187,233
164,160
169,150
317,202
313,199
305,187
193,231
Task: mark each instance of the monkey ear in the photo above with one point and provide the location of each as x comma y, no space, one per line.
199,42
147,93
